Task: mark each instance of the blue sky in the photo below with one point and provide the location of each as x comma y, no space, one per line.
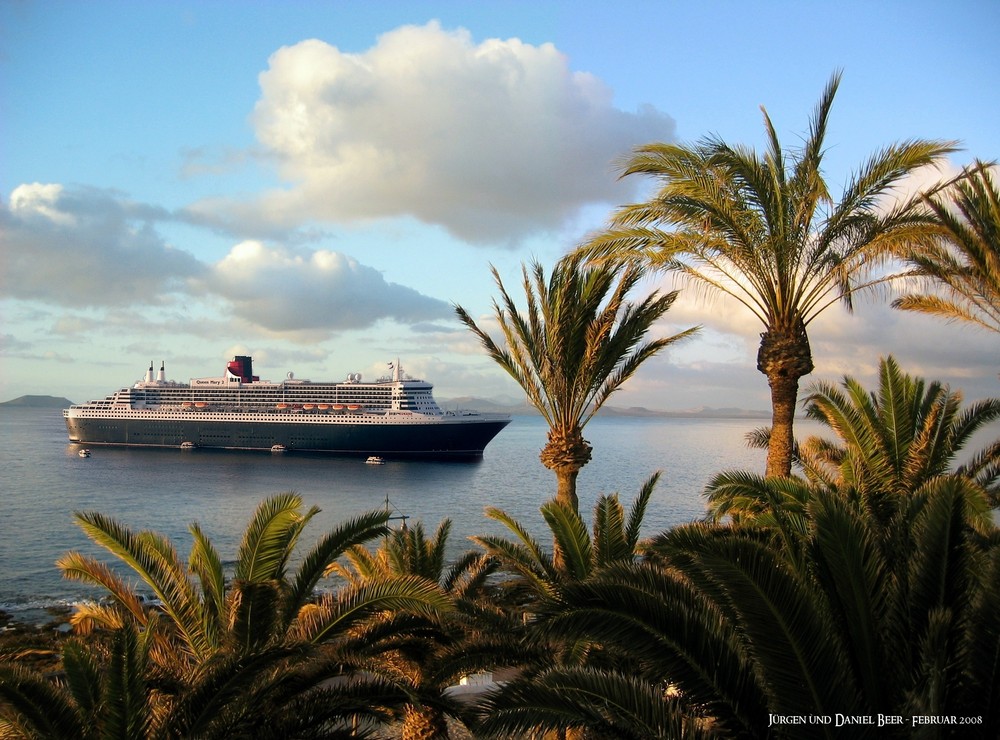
317,183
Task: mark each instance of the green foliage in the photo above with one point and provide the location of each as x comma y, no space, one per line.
764,229
577,342
890,442
961,265
219,657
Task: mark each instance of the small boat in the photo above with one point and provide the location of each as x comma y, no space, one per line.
278,448
188,445
375,460
84,453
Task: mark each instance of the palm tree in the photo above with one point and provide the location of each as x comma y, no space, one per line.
93,700
742,629
423,654
538,577
765,230
577,343
890,442
109,688
536,586
263,633
207,615
965,261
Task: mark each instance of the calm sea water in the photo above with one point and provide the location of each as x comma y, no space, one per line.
43,481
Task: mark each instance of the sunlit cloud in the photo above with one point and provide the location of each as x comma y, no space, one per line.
86,247
318,290
491,140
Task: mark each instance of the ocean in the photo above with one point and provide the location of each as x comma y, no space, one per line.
43,481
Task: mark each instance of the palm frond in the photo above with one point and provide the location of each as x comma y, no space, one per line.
610,704
570,536
270,537
36,706
317,561
333,615
146,554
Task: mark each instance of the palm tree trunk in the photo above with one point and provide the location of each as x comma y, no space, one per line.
784,393
784,357
565,453
566,487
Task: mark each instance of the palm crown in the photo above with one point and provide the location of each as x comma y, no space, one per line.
764,229
578,341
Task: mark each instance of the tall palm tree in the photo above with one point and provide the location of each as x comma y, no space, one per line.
579,340
764,229
965,262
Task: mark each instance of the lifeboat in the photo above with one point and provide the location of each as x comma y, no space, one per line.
186,405
323,406
353,407
308,406
200,404
338,407
281,406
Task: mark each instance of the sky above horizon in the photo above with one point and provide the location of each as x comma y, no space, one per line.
317,184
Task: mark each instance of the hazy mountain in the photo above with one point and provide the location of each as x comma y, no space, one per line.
524,409
38,402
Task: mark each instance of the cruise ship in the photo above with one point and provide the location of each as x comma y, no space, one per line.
394,416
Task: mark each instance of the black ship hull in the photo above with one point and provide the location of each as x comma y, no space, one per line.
453,438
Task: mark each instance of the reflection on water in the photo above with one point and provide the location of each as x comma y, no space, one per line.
45,481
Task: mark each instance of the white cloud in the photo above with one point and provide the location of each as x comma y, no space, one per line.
85,247
319,290
492,141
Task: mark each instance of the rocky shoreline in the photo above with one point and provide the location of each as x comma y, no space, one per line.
35,646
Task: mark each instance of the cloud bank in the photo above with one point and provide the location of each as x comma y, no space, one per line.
86,248
281,291
83,247
491,141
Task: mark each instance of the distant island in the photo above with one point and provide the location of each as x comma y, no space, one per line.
701,412
37,402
